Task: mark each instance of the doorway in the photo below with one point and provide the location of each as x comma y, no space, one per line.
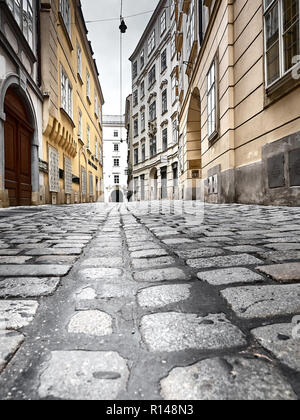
17,143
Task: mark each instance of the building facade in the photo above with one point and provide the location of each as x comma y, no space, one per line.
115,152
20,103
154,108
71,156
239,135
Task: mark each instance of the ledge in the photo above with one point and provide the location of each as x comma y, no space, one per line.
280,88
69,118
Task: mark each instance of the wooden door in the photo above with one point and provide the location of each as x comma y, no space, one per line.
17,145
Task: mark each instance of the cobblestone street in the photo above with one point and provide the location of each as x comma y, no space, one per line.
136,303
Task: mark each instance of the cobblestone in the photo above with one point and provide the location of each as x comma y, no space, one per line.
104,301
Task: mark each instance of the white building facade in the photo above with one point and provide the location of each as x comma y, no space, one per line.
20,103
154,108
115,166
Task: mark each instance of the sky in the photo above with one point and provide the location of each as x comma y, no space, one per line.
105,38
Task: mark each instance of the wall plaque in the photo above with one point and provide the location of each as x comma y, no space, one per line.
276,171
294,168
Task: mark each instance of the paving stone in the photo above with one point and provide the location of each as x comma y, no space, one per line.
144,263
149,253
91,323
263,301
104,262
278,339
87,293
178,241
69,245
243,248
280,256
230,276
54,251
161,274
282,272
13,260
15,314
34,270
28,287
159,296
113,289
227,378
57,259
284,247
149,245
84,375
107,252
199,253
225,261
9,252
10,342
172,331
98,274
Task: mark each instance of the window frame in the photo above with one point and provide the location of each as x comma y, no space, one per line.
164,101
213,87
163,19
163,60
151,42
68,105
282,72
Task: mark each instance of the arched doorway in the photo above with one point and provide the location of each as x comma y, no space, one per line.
116,196
193,147
153,184
18,133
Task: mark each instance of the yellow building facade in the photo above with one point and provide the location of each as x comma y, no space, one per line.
71,167
239,90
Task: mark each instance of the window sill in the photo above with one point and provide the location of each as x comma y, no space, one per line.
164,112
69,118
280,88
80,141
65,30
89,100
213,138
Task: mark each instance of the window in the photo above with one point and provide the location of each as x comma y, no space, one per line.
116,147
65,11
23,8
68,175
66,93
88,84
117,179
281,37
190,29
142,89
136,127
151,42
53,160
174,88
96,147
163,60
164,101
172,7
211,100
88,137
83,181
91,179
142,59
116,163
152,111
152,76
163,22
79,60
136,156
80,124
135,98
164,139
173,44
143,152
134,70
175,131
153,147
96,103
116,133
143,122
